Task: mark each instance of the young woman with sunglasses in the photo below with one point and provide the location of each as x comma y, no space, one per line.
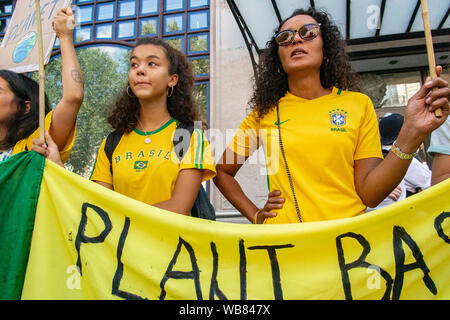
319,135
19,100
157,99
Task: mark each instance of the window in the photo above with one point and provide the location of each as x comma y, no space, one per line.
198,43
105,11
201,94
174,23
83,34
148,27
126,29
127,8
149,6
392,90
173,5
198,3
104,31
5,8
200,66
4,24
400,87
84,14
198,20
176,42
84,1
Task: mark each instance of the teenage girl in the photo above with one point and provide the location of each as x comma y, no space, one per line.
157,99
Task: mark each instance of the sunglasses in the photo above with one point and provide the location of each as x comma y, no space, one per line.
307,32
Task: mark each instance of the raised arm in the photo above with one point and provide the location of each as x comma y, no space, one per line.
376,178
65,114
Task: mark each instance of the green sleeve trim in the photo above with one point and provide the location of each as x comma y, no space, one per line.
197,149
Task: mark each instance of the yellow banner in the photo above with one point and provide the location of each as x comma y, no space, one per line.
93,243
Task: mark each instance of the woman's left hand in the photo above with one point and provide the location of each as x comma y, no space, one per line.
49,150
419,113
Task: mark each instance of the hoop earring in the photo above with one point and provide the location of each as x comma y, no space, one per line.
170,92
128,93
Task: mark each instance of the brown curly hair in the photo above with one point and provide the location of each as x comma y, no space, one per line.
271,82
181,104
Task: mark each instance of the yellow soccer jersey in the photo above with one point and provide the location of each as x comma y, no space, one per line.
26,144
148,172
322,138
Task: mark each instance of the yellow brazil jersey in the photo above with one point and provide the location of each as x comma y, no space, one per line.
27,143
148,172
322,138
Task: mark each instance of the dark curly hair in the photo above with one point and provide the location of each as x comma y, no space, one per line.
271,82
22,124
181,104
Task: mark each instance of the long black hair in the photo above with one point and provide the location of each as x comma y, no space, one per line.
22,123
271,82
181,104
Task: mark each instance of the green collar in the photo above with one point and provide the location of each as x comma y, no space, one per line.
148,133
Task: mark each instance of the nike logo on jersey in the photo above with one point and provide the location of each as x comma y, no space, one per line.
276,122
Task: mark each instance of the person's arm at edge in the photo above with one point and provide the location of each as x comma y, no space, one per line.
441,168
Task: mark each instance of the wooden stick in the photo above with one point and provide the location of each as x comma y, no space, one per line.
430,50
41,72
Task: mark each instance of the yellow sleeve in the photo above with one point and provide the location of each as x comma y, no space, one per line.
246,139
27,143
199,156
102,171
368,144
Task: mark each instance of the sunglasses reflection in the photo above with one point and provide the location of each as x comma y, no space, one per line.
308,32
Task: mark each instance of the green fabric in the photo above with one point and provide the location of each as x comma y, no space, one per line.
20,181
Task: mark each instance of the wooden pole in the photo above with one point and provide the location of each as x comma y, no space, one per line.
41,71
430,50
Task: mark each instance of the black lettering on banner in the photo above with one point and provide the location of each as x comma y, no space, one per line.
119,271
438,225
214,288
242,270
400,235
359,263
271,250
194,274
82,238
